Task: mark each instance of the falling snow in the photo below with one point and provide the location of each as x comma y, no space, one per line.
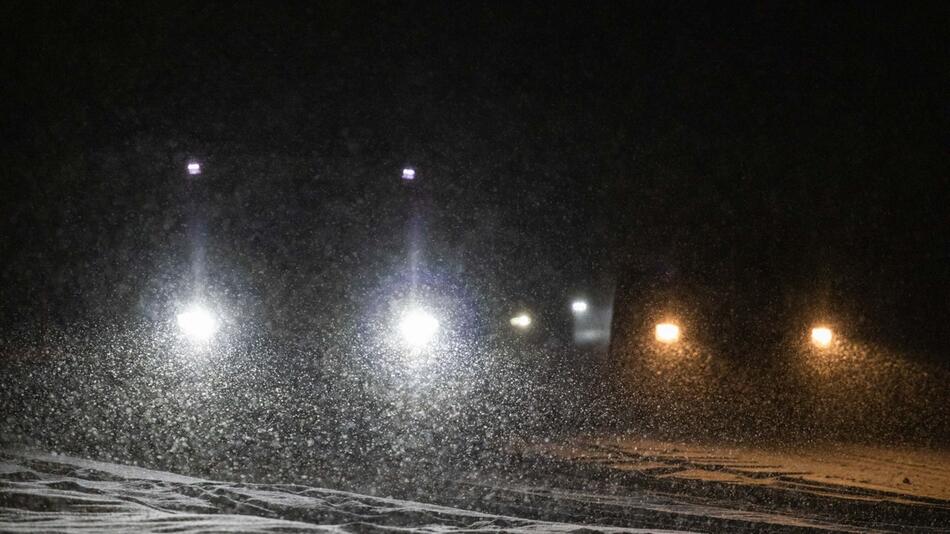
469,267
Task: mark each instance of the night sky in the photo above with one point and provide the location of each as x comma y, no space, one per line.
755,161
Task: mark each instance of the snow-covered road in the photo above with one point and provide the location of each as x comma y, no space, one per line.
700,485
50,493
585,485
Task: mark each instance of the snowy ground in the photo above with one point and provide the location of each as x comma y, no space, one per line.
844,470
584,485
47,493
842,487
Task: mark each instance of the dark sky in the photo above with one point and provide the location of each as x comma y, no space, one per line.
776,156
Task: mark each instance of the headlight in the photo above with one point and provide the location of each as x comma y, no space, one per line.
821,336
197,323
418,328
521,321
667,333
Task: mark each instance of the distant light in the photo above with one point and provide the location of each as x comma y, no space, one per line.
194,168
821,336
522,321
667,333
197,323
408,174
579,306
418,328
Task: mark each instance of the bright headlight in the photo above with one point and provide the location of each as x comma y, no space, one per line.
667,333
418,328
821,336
197,323
522,321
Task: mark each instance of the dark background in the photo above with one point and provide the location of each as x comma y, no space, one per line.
766,162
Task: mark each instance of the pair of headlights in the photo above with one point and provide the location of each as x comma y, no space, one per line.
821,336
522,321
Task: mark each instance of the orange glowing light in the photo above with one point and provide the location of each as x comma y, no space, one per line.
667,333
821,336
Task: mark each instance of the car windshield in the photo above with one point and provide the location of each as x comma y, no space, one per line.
474,266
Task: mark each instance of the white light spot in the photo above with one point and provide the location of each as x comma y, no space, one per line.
197,323
418,328
821,336
579,306
522,321
408,174
667,333
194,168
